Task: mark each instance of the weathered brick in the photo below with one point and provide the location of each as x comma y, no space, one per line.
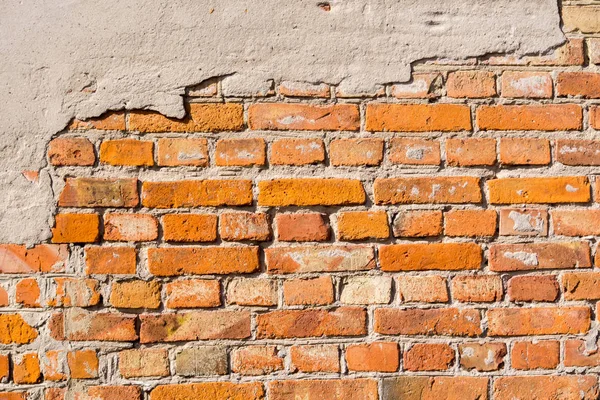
74,292
526,321
256,360
418,117
197,325
76,228
539,256
15,396
135,294
302,227
523,222
330,389
325,258
471,84
470,152
54,393
110,121
548,117
366,290
315,358
564,189
297,152
81,325
213,117
435,387
581,285
240,152
356,152
580,222
4,300
112,392
470,223
310,192
171,261
569,387
244,226
418,223
130,227
478,288
375,357
526,84
175,152
343,321
83,364
421,86
431,322
542,354
313,291
137,363
593,46
533,288
429,190
209,391
26,369
183,194
18,259
428,357
577,355
252,292
127,152
110,260
430,256
27,293
524,151
578,84
359,225
201,361
189,227
422,289
71,152
578,152
483,357
99,192
414,151
193,293
304,89
54,365
4,368
304,117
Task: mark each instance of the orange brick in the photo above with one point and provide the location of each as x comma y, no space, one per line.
244,226
55,393
430,256
315,291
252,292
127,152
418,117
421,86
428,357
578,84
548,117
110,121
130,227
343,321
302,227
83,364
297,152
595,117
98,192
480,288
435,321
137,363
376,357
110,260
189,227
303,89
526,84
113,392
483,357
28,293
310,192
533,288
564,189
581,285
315,358
16,330
359,225
26,369
172,261
135,294
193,293
326,258
435,387
4,368
578,152
240,152
523,222
4,301
526,321
17,259
209,391
539,256
418,223
80,325
471,84
75,292
365,389
520,151
71,152
356,152
213,117
76,228
422,289
580,222
183,194
414,151
470,152
54,366
584,387
429,190
470,223
256,360
303,117
175,152
577,355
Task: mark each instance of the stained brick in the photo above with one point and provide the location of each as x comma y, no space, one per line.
339,117
578,152
483,357
99,192
244,226
430,322
285,260
175,152
18,259
356,152
240,152
527,84
297,152
256,360
315,358
252,292
470,152
193,293
539,256
137,363
422,289
480,288
584,387
331,389
523,222
414,151
130,227
430,190
435,387
550,117
471,84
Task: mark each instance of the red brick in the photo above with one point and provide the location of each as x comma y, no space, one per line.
577,355
4,301
429,190
581,285
330,389
343,321
252,292
435,387
523,222
202,360
430,322
533,288
522,151
304,117
578,84
297,152
240,152
213,117
374,357
76,228
315,291
127,152
302,227
175,152
135,294
414,151
172,261
359,225
193,293
418,223
547,117
303,89
196,325
539,355
75,292
110,260
130,227
4,368
99,192
184,194
583,387
113,392
538,321
418,117
315,358
71,152
594,117
256,360
564,189
422,289
17,259
310,192
470,223
430,256
189,227
136,363
578,152
479,288
576,222
16,330
470,152
428,357
55,393
110,121
83,364
483,357
27,293
471,84
421,86
326,258
244,226
80,325
539,256
209,391
26,369
526,84
356,152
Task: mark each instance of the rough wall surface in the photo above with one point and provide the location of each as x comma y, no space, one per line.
432,239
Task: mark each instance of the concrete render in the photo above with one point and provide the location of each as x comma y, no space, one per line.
80,58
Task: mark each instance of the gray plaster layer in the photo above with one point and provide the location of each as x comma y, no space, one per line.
79,58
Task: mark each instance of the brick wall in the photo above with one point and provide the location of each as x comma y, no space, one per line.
434,240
